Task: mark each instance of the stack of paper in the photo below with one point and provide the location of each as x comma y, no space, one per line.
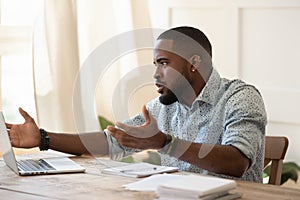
197,187
151,183
139,170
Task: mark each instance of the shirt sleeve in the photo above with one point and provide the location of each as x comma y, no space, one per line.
117,151
245,122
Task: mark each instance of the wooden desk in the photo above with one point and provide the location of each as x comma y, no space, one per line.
94,185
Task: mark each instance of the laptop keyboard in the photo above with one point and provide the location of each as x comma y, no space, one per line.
34,165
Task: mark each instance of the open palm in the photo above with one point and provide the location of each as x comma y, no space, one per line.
24,135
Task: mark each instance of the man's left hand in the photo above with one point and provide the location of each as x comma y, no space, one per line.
143,137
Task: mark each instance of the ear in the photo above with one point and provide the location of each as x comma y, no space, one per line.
195,61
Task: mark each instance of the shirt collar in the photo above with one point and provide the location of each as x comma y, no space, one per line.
210,91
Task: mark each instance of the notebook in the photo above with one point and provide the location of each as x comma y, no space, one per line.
139,170
30,166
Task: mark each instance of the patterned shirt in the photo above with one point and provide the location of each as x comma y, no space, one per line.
226,112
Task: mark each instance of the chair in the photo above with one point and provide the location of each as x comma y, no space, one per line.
275,150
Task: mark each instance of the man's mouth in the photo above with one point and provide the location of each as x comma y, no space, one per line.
160,88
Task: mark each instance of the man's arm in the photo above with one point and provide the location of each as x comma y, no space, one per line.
27,135
221,159
85,143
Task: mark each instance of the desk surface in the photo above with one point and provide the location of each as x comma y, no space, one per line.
94,185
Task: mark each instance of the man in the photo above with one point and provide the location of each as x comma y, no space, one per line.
200,122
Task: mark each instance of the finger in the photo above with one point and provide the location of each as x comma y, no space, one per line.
146,115
122,126
111,129
25,115
8,126
116,133
127,130
14,142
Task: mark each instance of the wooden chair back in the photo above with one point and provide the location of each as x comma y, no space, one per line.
275,150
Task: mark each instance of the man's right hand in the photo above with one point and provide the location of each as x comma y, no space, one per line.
26,135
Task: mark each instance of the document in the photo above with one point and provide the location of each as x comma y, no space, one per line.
197,187
151,183
139,170
186,187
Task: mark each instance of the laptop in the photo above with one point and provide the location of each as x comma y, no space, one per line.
53,165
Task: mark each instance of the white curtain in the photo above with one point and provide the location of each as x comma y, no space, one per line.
64,40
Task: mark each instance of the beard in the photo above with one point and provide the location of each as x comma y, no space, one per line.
181,92
178,89
168,98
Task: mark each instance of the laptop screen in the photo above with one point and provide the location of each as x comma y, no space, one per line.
5,146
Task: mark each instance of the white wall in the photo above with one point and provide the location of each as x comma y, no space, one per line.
257,41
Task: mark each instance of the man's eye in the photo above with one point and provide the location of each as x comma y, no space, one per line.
162,64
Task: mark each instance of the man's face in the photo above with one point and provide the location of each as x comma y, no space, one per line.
171,75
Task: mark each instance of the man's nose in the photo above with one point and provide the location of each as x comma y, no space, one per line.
157,74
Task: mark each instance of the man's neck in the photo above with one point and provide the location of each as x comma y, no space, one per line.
198,85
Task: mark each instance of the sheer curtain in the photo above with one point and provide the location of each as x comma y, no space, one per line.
64,37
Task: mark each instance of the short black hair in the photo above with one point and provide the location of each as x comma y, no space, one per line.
189,40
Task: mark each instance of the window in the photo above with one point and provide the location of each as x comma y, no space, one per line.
17,22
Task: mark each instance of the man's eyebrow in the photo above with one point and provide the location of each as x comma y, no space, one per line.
159,60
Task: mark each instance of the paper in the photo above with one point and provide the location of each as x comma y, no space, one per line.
196,187
139,170
151,183
154,182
